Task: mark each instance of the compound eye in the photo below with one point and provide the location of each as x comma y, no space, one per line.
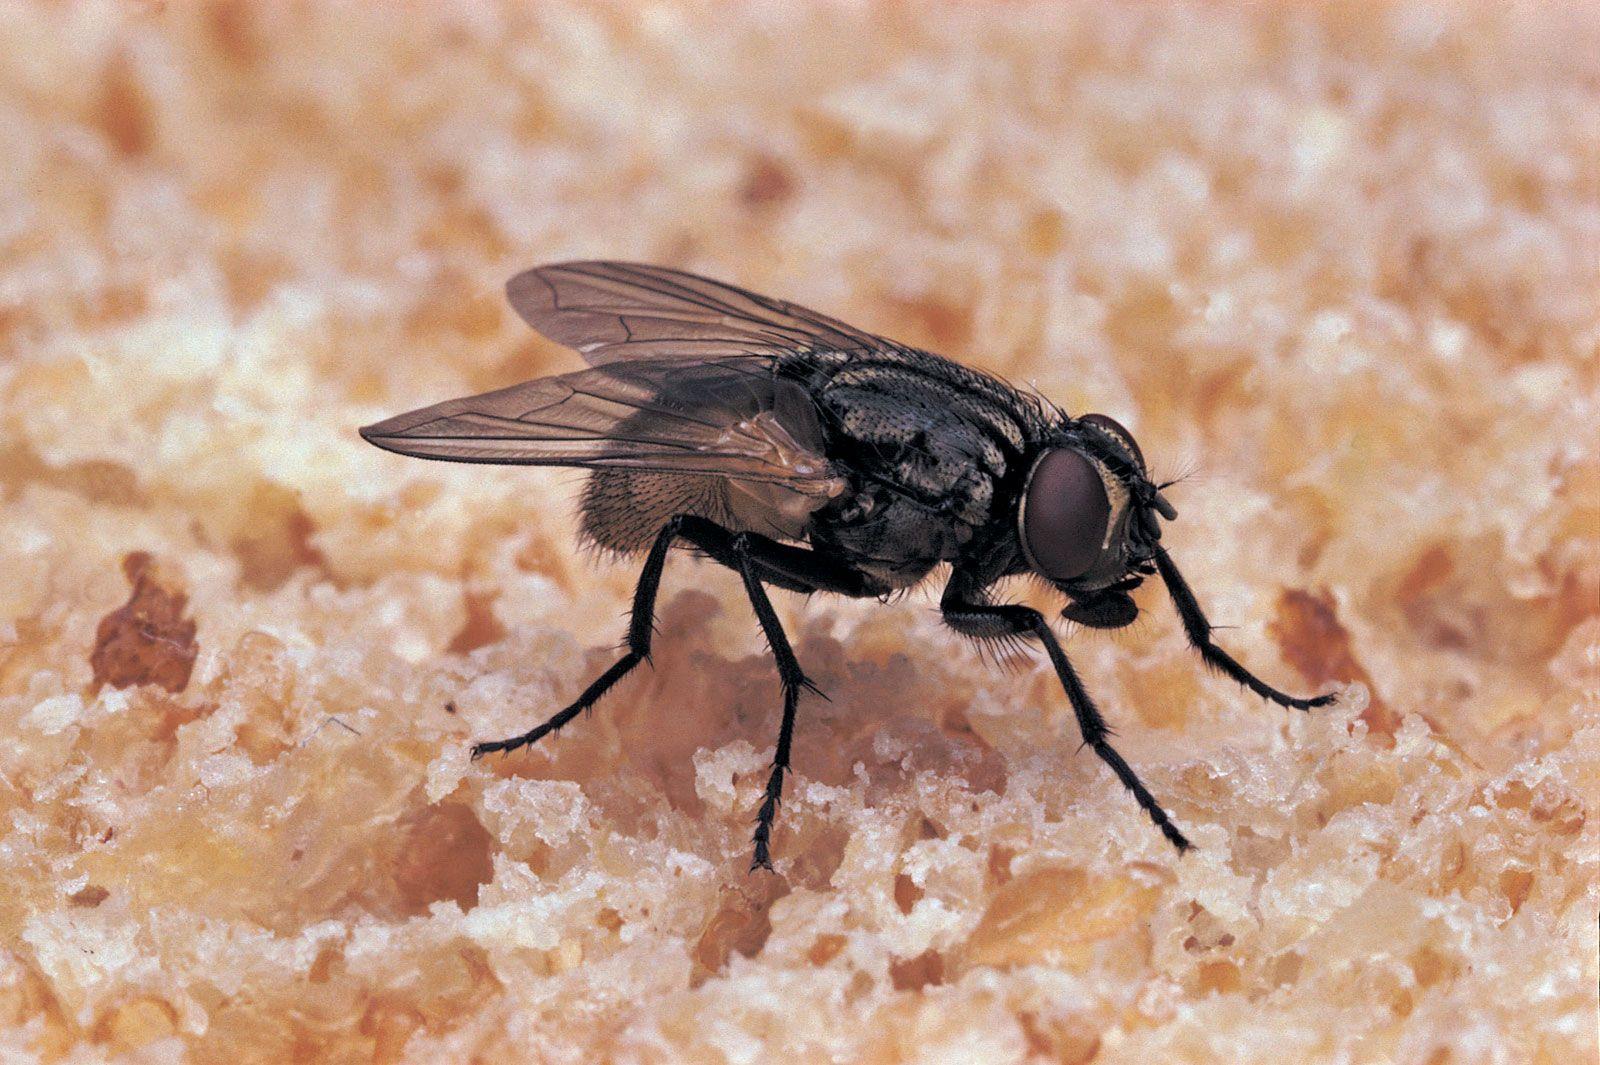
1064,515
1118,433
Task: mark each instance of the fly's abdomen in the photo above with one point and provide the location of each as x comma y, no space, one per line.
623,510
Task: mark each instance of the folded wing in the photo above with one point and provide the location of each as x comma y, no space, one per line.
611,312
728,417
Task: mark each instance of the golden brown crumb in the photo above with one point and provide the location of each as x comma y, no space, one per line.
147,640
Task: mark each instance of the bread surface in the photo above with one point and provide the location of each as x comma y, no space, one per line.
1336,265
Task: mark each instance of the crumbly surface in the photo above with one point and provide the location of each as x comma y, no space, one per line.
1338,263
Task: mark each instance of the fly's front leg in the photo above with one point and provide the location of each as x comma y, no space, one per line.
1198,629
965,611
641,627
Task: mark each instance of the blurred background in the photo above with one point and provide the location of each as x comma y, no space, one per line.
1335,263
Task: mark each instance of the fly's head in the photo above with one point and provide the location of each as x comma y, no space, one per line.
1089,520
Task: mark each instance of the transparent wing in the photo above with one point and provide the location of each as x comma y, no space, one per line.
729,417
612,312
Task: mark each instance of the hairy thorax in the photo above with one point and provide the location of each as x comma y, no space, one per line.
930,449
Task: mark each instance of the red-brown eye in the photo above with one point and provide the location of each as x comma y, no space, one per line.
1064,515
1114,427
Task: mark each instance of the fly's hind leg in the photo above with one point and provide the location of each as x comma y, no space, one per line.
641,627
759,560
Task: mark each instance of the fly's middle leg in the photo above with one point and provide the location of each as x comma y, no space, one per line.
791,677
758,560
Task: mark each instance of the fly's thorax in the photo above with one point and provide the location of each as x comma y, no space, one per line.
918,429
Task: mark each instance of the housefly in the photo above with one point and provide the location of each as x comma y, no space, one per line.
805,454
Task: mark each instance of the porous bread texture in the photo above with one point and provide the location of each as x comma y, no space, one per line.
1338,263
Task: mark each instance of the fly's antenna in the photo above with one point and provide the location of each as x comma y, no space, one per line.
1187,472
1149,498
